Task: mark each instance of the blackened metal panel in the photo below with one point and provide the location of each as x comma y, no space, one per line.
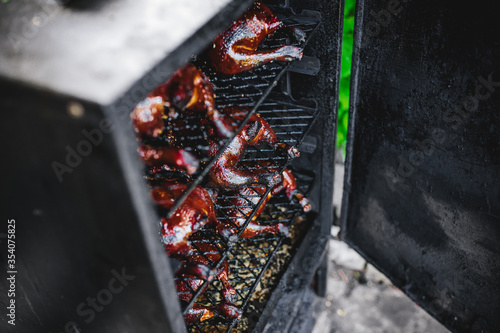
317,155
422,189
86,253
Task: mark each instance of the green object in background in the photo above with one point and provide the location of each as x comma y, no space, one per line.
345,74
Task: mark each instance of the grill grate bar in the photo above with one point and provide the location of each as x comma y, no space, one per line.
205,171
248,259
238,266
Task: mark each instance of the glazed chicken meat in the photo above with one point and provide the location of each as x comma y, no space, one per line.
232,187
196,211
236,49
225,172
190,277
168,158
241,202
188,89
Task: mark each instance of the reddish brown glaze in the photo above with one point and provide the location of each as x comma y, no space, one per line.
191,275
196,211
187,89
244,200
199,313
173,158
235,49
194,258
225,172
147,117
190,89
255,229
259,130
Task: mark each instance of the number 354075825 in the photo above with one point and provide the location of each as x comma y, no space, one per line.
11,244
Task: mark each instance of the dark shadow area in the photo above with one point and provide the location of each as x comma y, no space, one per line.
85,5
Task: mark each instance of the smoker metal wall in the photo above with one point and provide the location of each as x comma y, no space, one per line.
75,235
326,47
422,189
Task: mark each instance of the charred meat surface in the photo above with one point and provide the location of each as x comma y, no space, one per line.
147,117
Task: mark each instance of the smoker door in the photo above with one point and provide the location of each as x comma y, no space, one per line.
422,190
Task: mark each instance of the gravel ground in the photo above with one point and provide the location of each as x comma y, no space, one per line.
360,299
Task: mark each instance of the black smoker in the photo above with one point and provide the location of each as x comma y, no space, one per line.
421,190
89,253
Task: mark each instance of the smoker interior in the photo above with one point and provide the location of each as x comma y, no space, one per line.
265,90
98,221
251,89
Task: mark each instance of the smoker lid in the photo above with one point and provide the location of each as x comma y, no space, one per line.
96,50
422,187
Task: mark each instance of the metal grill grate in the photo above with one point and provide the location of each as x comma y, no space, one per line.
247,259
248,89
292,121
